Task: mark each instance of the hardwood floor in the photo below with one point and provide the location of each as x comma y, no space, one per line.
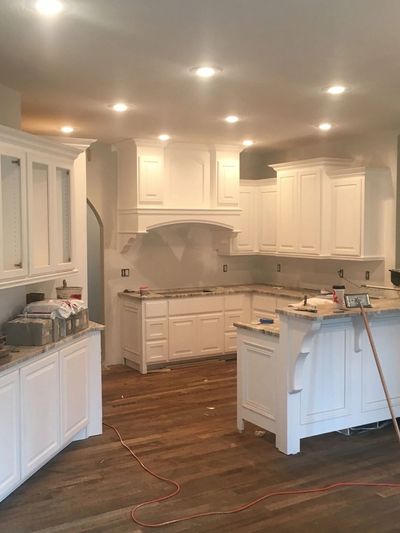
165,417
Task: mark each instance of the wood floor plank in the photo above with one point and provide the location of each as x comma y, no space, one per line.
166,418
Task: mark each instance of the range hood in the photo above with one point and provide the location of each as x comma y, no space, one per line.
178,183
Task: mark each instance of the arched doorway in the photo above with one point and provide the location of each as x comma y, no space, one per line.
95,264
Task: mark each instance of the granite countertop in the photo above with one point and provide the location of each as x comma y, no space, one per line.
20,354
266,329
219,290
329,312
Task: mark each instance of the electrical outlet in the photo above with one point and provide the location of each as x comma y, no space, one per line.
340,273
124,272
278,267
224,268
367,275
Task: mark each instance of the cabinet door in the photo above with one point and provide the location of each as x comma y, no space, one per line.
245,240
63,217
74,389
267,215
9,432
182,337
287,222
346,216
264,306
150,176
40,412
309,212
210,334
40,214
227,182
13,210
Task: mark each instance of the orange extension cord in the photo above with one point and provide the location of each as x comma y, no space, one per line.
238,509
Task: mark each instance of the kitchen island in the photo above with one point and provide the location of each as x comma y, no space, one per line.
315,373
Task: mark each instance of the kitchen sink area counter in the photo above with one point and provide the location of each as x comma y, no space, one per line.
183,292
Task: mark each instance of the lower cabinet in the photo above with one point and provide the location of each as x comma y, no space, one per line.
40,401
9,431
74,390
44,405
182,337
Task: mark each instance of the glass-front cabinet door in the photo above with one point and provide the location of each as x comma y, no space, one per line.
63,217
40,214
13,222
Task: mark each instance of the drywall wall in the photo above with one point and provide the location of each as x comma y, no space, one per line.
174,256
10,107
95,267
377,150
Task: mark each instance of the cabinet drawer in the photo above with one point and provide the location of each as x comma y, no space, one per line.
156,328
156,351
196,305
155,309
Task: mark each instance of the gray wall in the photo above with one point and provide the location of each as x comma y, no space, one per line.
10,107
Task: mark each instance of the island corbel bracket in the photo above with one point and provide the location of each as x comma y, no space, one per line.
301,337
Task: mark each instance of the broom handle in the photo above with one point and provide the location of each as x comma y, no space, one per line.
378,364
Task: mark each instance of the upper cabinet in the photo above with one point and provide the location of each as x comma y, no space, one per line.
322,208
36,208
13,219
357,197
166,184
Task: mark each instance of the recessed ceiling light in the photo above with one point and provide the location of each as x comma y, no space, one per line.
325,126
67,129
206,72
164,137
49,8
336,89
248,142
119,107
231,119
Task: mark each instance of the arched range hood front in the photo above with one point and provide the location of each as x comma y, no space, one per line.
179,183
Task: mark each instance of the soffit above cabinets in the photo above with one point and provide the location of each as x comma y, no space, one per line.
159,185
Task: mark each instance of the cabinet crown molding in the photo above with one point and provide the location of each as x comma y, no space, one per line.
315,162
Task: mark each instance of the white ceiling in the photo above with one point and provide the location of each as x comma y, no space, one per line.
276,56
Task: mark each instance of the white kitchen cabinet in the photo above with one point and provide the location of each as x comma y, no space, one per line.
263,306
64,219
308,217
210,334
287,221
41,213
182,337
237,309
150,168
131,331
227,172
40,412
74,390
357,203
45,403
245,240
299,211
37,208
9,431
267,216
13,213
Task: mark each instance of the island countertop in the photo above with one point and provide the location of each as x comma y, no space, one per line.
328,312
266,329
